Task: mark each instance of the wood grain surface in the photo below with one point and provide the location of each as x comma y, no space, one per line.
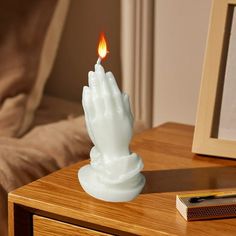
170,168
47,227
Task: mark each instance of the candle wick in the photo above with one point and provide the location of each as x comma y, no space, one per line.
99,60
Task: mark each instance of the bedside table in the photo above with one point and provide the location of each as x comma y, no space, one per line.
57,205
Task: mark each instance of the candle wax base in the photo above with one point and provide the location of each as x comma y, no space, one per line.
122,192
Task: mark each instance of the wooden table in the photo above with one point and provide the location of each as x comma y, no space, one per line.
57,205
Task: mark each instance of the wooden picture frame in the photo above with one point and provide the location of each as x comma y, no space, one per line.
205,139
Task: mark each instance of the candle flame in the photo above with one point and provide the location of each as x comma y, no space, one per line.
102,46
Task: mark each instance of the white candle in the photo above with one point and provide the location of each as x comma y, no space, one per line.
114,171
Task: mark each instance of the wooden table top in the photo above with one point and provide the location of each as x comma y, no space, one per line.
170,169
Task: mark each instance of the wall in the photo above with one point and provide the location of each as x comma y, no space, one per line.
180,38
77,53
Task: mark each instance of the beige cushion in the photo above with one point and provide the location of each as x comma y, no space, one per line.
29,36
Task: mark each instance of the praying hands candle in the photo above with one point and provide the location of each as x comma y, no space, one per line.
114,171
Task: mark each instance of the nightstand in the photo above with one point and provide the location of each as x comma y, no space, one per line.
57,205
